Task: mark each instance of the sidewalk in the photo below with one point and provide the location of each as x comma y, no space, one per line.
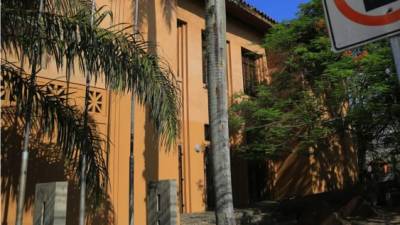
325,209
385,217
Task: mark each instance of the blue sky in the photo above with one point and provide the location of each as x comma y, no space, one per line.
278,9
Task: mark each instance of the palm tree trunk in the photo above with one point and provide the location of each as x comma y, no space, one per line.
218,108
27,130
132,136
82,205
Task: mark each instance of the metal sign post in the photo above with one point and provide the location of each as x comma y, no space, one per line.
395,43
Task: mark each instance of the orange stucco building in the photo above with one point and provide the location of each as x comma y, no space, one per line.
176,26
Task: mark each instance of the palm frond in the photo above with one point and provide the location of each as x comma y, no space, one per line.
63,7
61,123
122,59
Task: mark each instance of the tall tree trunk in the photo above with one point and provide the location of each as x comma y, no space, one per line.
218,108
27,129
82,202
132,136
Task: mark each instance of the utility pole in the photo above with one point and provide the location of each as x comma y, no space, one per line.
218,108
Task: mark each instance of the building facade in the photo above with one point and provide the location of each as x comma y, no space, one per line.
177,27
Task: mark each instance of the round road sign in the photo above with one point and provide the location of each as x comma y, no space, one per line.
365,19
353,23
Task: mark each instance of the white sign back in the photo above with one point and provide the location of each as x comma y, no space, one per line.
356,22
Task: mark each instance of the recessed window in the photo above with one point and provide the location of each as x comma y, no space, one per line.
249,70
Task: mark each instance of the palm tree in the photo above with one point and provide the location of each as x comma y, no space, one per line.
218,108
82,205
65,33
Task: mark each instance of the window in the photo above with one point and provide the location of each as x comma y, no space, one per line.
249,70
182,49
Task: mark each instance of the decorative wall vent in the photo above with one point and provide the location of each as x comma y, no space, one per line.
57,90
95,102
5,93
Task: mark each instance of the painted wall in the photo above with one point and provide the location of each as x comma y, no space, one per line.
158,23
195,100
323,168
327,168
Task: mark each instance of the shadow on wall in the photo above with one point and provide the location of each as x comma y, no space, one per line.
169,6
335,165
292,176
327,167
147,16
45,165
151,155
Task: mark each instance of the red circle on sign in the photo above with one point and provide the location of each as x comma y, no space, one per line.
363,19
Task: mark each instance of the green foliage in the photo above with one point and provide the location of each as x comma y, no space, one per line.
317,93
374,102
273,122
